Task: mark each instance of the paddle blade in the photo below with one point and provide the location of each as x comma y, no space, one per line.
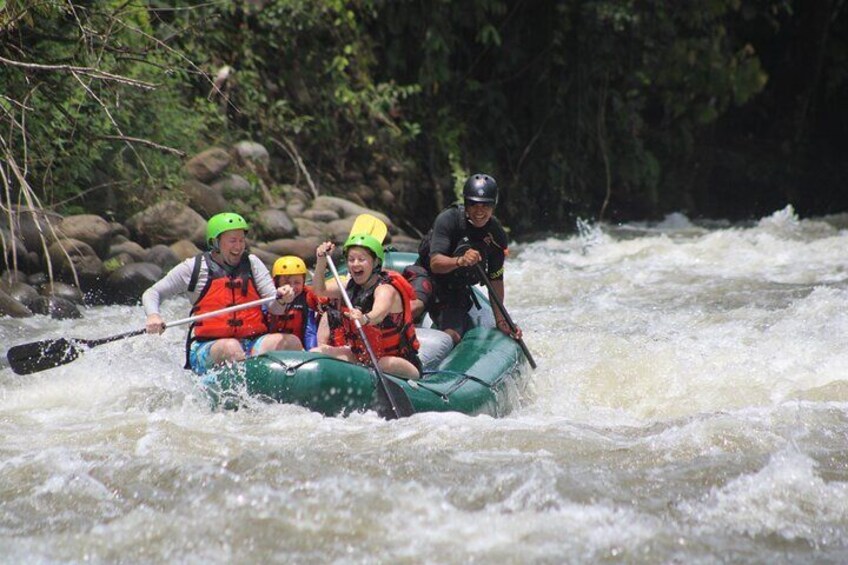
371,225
41,355
393,400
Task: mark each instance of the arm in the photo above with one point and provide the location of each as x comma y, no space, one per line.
175,282
385,298
447,230
319,285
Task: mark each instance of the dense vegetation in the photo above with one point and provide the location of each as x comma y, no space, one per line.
613,109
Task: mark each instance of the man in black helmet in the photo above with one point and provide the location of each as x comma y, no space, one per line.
463,236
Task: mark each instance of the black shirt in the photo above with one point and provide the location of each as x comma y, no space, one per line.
452,229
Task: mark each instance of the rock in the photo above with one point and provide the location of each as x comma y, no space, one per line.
167,222
340,229
163,256
252,152
387,198
184,249
57,308
12,308
346,209
204,199
127,284
320,216
22,292
405,243
90,229
13,275
233,186
115,262
303,248
119,229
381,184
83,260
365,192
273,224
296,208
265,256
62,290
208,165
33,225
10,244
36,280
134,250
308,228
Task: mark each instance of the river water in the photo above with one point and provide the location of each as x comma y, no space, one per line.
690,406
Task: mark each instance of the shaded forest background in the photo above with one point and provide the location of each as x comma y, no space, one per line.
605,110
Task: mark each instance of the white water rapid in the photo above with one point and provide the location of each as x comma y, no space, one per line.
690,406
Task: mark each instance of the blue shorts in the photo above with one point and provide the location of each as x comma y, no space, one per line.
198,354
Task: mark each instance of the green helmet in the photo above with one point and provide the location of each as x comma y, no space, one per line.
368,242
226,221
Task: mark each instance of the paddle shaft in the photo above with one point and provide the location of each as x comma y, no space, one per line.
493,296
382,377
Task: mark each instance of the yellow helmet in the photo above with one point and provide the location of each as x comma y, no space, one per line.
289,265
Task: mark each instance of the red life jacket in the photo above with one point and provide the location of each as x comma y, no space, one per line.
222,290
294,319
388,338
330,309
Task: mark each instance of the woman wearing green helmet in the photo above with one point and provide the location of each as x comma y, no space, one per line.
226,275
381,304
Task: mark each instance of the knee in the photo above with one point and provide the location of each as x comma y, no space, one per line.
454,335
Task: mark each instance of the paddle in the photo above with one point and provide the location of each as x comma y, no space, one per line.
493,296
48,353
371,225
400,404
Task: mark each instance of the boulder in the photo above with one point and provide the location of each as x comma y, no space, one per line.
22,292
11,307
184,249
204,199
36,228
57,308
252,152
131,248
208,165
115,262
13,275
233,186
320,216
62,290
167,222
163,256
265,256
405,243
274,224
71,255
127,284
303,248
345,209
308,228
90,229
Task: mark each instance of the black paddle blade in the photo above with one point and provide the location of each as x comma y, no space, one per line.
41,355
394,403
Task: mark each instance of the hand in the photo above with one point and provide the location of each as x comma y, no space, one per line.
323,250
503,326
356,314
468,259
285,294
155,324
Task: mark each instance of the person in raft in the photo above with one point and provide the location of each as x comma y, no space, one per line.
224,276
298,320
462,236
381,304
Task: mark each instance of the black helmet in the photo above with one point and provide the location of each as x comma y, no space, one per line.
481,188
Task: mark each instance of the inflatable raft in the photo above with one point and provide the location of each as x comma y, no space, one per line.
486,373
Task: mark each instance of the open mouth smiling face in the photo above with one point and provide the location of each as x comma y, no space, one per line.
232,245
360,264
478,213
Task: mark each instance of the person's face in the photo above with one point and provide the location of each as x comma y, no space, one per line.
360,264
295,281
479,213
232,245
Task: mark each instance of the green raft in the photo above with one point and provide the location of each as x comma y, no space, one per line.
484,374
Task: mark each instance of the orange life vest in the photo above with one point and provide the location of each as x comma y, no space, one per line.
295,318
222,290
390,337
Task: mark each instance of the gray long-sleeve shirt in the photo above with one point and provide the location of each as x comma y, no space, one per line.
178,278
